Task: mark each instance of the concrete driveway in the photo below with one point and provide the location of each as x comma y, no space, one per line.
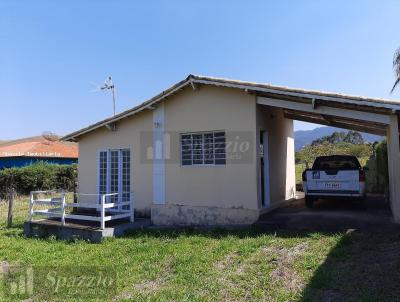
332,215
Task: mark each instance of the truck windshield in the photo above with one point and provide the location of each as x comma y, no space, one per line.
336,163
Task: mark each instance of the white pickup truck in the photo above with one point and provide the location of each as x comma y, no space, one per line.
334,176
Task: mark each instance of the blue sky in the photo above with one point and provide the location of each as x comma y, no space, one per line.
51,52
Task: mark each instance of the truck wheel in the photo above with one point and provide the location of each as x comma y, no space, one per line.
309,202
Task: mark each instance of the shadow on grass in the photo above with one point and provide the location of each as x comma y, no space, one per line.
216,233
363,266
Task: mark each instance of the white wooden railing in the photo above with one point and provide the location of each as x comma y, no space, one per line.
107,210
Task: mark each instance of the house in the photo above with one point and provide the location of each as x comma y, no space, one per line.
211,151
47,148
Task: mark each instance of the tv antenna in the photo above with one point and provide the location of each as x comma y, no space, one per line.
109,85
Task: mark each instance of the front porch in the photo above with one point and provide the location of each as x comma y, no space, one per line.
67,218
78,229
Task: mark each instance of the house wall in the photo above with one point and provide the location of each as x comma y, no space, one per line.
206,190
128,135
226,194
281,154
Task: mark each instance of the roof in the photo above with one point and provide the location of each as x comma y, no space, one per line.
39,146
251,87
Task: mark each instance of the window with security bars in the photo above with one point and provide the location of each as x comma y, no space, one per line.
203,148
114,174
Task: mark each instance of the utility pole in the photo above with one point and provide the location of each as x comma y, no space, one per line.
11,197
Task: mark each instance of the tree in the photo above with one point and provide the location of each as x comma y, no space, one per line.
353,137
334,138
396,66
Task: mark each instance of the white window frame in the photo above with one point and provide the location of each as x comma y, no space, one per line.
202,133
121,167
98,171
108,172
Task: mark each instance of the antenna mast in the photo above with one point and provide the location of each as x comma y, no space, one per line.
109,85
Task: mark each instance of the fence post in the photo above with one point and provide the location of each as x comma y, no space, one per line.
102,212
31,207
63,208
10,207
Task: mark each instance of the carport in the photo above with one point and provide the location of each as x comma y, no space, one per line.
376,116
359,113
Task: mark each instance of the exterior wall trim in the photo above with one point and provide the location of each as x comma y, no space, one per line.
159,154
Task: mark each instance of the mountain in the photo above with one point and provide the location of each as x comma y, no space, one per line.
304,137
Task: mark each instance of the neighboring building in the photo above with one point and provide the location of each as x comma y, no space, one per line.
26,151
211,151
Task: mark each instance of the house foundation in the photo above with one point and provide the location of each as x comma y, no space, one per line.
73,230
182,215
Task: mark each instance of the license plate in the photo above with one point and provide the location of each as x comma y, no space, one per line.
332,185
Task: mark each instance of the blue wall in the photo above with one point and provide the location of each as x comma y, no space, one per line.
8,162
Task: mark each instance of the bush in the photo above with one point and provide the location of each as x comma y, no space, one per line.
39,176
377,175
382,163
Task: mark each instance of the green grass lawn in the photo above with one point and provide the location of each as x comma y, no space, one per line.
214,265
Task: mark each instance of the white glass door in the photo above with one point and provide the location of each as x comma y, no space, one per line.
114,174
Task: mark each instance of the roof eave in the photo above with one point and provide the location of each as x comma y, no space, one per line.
146,105
310,94
394,106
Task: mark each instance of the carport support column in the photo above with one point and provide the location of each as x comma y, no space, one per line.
393,149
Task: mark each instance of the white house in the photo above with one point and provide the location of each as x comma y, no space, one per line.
210,151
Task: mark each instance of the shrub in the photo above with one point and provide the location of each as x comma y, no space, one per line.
382,162
377,175
39,176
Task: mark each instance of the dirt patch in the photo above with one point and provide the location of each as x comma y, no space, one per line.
284,273
150,285
4,267
159,282
226,262
147,286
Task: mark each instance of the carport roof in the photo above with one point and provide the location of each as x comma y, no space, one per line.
361,103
